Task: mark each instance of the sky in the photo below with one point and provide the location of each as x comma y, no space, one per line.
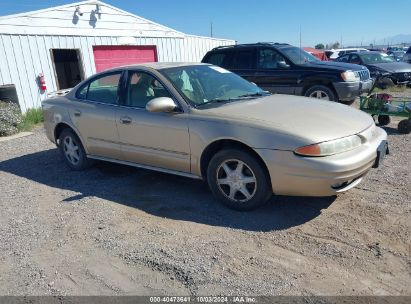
354,22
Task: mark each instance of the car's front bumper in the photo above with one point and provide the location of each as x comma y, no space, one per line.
348,91
320,176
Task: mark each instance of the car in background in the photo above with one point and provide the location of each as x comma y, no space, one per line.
396,55
335,53
377,50
407,56
204,122
286,69
380,63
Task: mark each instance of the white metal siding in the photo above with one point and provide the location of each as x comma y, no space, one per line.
23,57
26,40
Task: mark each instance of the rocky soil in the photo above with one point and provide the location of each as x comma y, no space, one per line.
115,230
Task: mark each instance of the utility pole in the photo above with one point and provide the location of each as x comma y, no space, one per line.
211,28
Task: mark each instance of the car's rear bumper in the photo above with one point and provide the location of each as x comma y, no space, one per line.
320,176
347,91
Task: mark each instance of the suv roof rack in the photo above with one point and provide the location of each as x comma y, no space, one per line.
248,44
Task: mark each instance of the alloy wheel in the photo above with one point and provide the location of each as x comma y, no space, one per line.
319,95
71,150
236,180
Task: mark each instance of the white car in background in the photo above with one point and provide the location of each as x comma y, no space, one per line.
335,53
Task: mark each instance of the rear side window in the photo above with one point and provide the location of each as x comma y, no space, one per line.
409,50
102,89
244,59
217,59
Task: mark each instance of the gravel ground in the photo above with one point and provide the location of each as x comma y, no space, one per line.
115,230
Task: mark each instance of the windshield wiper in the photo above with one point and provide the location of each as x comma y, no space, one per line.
215,100
265,93
249,95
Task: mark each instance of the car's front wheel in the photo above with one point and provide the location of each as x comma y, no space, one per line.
320,92
238,179
73,151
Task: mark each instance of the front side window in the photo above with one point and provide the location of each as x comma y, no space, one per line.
102,89
343,58
270,59
207,84
298,56
141,88
355,59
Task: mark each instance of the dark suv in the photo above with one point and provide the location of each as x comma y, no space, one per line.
286,69
407,56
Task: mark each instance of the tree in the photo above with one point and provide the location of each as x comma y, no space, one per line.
335,45
319,46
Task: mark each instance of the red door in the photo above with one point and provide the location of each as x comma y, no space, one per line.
111,56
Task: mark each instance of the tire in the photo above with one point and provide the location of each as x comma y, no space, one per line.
404,126
73,151
384,120
235,192
321,92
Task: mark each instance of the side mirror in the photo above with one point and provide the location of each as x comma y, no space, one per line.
161,104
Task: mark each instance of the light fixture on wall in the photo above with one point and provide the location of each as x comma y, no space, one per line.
98,10
78,11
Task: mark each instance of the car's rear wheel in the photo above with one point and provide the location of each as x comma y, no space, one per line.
320,92
73,151
404,126
238,180
384,120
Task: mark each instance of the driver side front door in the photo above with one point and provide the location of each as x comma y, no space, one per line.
152,139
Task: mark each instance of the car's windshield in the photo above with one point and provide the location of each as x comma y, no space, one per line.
204,84
371,58
298,56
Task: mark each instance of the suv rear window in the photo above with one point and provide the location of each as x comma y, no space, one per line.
217,59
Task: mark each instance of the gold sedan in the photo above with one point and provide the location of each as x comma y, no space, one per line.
204,122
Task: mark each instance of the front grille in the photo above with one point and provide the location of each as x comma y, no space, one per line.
403,76
364,74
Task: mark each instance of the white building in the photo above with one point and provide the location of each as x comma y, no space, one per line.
71,42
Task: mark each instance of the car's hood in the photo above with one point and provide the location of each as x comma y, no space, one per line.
392,67
311,120
334,65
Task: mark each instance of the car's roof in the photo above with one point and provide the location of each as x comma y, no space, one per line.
366,53
348,49
156,65
251,45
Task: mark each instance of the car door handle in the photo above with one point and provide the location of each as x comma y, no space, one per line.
125,120
77,113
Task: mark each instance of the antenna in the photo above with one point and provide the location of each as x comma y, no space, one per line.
211,28
300,44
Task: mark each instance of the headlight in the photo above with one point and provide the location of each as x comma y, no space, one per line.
350,76
330,147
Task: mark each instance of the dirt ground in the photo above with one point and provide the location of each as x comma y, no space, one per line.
115,230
